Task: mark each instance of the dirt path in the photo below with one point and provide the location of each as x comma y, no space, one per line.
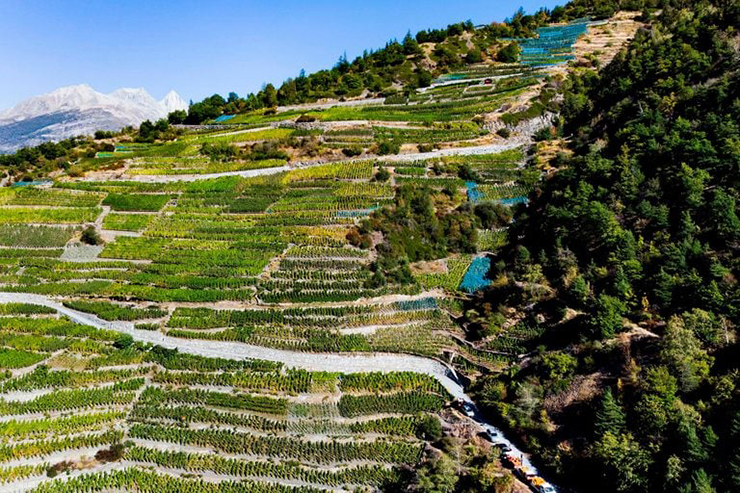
510,144
330,104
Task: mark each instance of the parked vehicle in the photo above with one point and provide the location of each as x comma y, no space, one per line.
468,409
487,435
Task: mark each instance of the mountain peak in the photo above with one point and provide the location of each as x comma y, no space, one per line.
74,87
173,102
130,90
138,97
80,110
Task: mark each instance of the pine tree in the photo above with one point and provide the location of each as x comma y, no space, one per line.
693,448
733,464
609,417
702,482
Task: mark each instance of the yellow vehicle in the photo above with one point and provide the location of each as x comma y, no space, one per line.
536,482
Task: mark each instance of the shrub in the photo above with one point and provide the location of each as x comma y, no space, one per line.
509,53
388,147
429,428
58,468
220,151
396,99
355,238
112,454
465,172
123,341
352,151
90,236
543,134
503,132
474,56
424,78
493,215
382,174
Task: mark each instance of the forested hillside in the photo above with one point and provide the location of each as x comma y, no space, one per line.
628,256
401,67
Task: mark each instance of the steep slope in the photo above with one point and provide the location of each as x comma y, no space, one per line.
245,242
625,268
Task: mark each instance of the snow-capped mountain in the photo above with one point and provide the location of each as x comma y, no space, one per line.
79,110
173,102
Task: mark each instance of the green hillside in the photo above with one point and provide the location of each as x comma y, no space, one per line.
302,289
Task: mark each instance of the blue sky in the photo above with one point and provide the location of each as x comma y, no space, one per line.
202,47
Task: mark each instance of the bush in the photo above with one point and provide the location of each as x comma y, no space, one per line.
112,454
123,341
503,132
382,175
75,172
474,56
424,78
492,215
90,236
352,151
59,468
396,99
429,428
355,238
220,151
388,147
543,134
267,150
509,53
465,172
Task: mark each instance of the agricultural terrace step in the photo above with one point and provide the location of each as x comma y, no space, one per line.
512,143
233,350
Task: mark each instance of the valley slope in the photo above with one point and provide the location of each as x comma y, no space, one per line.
296,298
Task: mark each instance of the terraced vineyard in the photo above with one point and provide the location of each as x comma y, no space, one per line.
130,405
252,241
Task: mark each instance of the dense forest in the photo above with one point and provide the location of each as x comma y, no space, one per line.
628,256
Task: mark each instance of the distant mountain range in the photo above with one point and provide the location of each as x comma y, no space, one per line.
79,110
